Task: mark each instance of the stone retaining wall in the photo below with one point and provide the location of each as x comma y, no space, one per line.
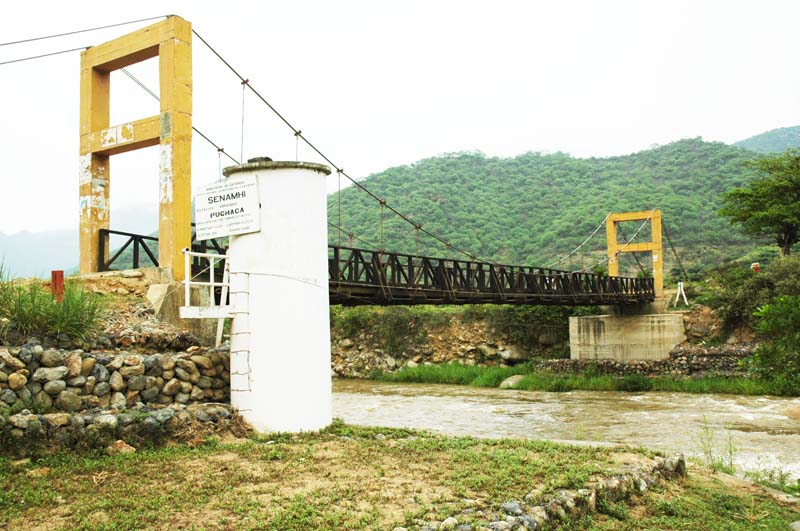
28,434
70,381
684,360
553,512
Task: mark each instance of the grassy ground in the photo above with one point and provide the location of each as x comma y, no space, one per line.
701,503
547,381
345,478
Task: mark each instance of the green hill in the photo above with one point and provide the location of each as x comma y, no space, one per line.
774,141
534,207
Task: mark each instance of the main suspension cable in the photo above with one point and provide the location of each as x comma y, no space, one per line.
219,149
674,251
223,152
584,242
352,237
75,32
300,135
32,57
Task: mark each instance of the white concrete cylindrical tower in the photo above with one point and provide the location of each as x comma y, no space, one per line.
280,337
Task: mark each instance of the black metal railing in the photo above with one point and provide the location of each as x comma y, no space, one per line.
139,243
141,250
360,276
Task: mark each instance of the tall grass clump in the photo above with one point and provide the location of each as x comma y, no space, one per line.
29,310
451,373
714,456
775,478
447,373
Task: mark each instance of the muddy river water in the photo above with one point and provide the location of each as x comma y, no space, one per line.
765,431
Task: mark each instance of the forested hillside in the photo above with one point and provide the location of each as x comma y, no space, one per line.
529,209
774,141
535,207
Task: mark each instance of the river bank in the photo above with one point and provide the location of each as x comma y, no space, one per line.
376,478
366,341
484,346
541,376
747,434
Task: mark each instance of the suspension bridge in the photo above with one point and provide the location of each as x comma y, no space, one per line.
357,275
272,285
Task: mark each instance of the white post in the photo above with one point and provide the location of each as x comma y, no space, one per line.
211,281
681,292
222,300
280,349
187,295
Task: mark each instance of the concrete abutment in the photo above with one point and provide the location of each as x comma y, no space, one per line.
642,332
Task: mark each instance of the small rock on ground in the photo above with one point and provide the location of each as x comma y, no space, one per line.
120,447
512,508
511,381
448,523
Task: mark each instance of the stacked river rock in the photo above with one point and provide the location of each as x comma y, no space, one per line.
97,428
358,359
76,380
684,360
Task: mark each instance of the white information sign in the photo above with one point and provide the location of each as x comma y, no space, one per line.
227,207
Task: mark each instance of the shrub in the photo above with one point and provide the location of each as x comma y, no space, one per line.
778,356
785,274
396,328
742,291
634,383
523,325
351,321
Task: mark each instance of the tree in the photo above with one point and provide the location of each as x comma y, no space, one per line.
770,205
778,355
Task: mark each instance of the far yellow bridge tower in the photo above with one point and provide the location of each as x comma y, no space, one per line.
654,246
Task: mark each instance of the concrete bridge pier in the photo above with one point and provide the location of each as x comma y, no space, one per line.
625,333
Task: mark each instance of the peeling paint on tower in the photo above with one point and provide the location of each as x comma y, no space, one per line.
116,135
85,169
165,173
170,41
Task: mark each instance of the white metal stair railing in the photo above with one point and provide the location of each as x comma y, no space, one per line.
212,311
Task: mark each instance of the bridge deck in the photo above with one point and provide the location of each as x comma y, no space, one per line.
361,277
364,277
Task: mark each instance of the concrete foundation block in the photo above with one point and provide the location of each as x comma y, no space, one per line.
625,337
167,298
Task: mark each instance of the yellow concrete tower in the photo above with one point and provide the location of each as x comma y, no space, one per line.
654,246
170,41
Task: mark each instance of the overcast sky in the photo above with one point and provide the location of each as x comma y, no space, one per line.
377,84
